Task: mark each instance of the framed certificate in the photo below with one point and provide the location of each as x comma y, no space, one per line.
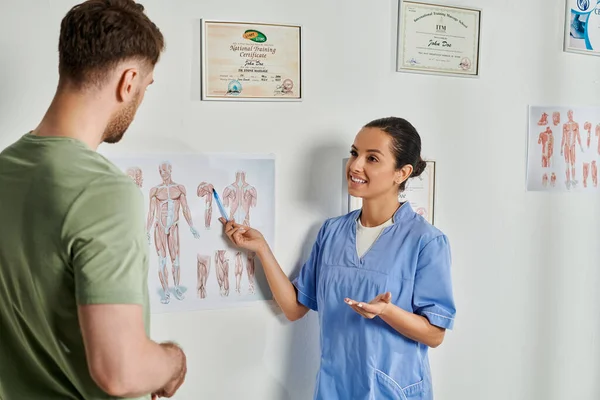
582,27
438,39
251,61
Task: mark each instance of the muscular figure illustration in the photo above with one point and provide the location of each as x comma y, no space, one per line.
242,196
222,268
553,179
239,268
594,173
556,118
135,173
547,141
567,147
545,180
203,272
166,200
543,120
598,136
250,270
206,190
588,127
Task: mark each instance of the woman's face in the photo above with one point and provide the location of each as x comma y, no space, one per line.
371,170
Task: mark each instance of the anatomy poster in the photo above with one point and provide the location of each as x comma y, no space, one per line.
192,264
564,149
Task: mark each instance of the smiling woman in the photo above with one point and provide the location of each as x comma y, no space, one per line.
379,276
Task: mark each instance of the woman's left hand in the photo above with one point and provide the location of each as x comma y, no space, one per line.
373,308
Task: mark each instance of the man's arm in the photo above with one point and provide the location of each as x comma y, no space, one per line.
123,361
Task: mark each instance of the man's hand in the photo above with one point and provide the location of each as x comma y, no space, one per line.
373,308
171,388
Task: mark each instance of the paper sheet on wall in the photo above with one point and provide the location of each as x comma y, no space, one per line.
192,264
563,149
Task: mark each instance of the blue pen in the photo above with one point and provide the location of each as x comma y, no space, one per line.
223,213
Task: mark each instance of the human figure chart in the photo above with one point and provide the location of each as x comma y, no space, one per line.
556,118
543,120
240,197
222,269
250,270
567,147
594,173
546,139
166,200
588,127
545,180
135,173
203,272
239,269
553,179
206,190
598,136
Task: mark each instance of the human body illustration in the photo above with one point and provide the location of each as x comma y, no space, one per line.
553,179
239,270
598,136
587,126
166,201
556,118
222,271
595,173
240,197
250,270
205,190
203,272
567,147
546,139
543,120
545,180
135,173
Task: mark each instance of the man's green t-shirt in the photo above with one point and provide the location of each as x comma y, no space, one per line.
72,233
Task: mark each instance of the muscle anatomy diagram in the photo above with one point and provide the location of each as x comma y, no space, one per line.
570,136
546,139
579,154
240,197
222,272
135,173
206,190
203,272
166,202
250,269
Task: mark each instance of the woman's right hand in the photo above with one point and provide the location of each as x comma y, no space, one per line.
243,236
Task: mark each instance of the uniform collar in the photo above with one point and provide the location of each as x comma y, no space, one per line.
403,213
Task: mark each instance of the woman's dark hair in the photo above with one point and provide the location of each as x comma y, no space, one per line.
406,143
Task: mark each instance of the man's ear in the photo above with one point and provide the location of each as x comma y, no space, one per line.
126,88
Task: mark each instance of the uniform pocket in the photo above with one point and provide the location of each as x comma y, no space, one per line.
388,389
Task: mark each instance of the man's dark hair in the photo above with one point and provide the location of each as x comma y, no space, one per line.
96,35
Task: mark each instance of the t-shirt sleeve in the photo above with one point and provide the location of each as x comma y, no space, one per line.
306,281
433,297
107,245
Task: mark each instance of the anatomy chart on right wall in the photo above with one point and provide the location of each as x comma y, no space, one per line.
564,149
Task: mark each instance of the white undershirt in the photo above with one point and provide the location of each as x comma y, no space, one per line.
366,236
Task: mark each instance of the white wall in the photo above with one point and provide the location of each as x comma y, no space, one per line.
526,272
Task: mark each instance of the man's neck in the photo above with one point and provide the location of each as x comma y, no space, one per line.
75,115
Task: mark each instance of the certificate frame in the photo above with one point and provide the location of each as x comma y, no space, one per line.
591,10
414,67
299,87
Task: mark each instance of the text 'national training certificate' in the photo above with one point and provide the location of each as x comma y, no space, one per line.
248,61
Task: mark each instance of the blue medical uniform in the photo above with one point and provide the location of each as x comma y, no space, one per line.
366,358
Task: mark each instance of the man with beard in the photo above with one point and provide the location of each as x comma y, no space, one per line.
74,309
